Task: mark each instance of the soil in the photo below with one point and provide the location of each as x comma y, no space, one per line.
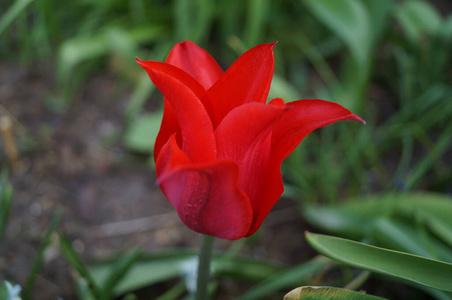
109,201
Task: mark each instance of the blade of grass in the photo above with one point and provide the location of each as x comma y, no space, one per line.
442,144
5,201
256,20
119,270
349,20
37,264
285,279
192,19
77,263
12,13
174,293
318,61
416,18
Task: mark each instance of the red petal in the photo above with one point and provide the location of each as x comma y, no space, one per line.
205,195
187,98
243,128
169,126
271,188
244,136
195,61
247,80
301,118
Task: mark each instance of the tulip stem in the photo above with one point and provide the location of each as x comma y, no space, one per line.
205,256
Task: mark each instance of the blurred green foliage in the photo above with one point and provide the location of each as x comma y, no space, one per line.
388,61
5,201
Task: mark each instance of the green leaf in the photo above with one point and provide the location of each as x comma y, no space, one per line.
3,291
286,278
441,146
357,217
447,29
412,238
379,13
349,20
6,192
359,24
327,293
256,21
142,273
417,18
192,19
109,40
174,292
77,263
400,236
420,270
143,89
142,132
39,260
283,89
118,271
12,13
440,227
129,297
163,266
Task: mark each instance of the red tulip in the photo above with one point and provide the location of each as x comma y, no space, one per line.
220,147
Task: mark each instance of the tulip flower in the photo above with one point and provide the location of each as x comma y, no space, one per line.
219,150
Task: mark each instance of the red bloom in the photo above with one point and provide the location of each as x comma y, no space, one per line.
220,147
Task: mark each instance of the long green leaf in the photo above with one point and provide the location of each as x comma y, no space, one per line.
440,227
400,237
142,273
420,270
327,293
163,266
357,217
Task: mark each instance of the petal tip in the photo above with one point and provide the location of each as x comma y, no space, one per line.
274,44
139,61
356,118
184,44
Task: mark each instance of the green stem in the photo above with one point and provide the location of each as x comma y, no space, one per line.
205,255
